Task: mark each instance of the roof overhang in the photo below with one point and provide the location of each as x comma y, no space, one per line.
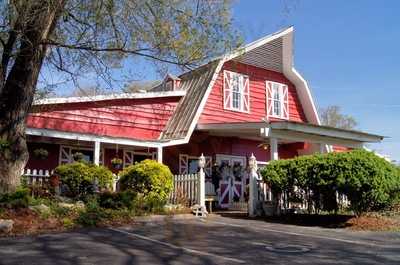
143,95
292,131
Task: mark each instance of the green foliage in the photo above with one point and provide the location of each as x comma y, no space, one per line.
150,178
117,200
95,215
92,215
79,177
19,199
368,181
103,175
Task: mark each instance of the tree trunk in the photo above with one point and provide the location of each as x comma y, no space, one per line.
18,88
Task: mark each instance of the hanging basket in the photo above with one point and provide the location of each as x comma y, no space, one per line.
41,153
116,163
78,156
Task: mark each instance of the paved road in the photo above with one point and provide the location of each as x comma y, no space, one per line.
216,240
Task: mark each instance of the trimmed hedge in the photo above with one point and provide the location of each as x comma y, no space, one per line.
368,181
151,179
79,177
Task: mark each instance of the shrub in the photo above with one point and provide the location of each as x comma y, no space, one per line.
368,181
103,175
92,215
78,178
150,178
117,200
18,199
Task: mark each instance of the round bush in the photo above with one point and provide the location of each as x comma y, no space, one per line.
150,178
78,178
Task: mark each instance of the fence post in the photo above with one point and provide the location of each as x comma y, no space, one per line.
253,186
202,178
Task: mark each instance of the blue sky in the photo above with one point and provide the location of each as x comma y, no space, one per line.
349,51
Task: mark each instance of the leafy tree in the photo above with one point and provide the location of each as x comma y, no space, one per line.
332,116
81,36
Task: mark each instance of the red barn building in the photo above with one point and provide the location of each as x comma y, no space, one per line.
250,101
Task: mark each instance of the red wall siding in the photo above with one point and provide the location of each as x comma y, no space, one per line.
339,149
130,118
48,164
214,111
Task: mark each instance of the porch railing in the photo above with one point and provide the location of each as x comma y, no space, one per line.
185,189
36,176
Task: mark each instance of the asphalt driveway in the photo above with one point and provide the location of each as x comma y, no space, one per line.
216,240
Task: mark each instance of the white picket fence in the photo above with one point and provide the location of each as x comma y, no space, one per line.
185,189
35,176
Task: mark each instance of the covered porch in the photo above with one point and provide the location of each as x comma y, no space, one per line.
100,150
319,139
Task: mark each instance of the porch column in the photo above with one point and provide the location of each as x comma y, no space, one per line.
96,157
273,143
159,154
322,148
253,190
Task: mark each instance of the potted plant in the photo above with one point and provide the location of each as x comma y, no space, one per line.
116,163
78,156
40,153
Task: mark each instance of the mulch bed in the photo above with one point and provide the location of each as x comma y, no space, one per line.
363,223
27,222
373,223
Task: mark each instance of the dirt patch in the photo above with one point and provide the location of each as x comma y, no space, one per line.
27,222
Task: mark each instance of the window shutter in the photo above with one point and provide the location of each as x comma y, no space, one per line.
269,98
285,102
227,90
183,164
246,94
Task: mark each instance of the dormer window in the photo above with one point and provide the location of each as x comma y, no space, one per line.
236,92
277,100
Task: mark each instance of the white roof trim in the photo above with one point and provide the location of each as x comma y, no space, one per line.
90,137
302,88
158,94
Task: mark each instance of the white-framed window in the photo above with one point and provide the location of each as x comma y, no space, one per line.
277,100
236,92
130,157
67,153
189,165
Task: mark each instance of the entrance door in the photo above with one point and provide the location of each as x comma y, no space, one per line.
233,183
